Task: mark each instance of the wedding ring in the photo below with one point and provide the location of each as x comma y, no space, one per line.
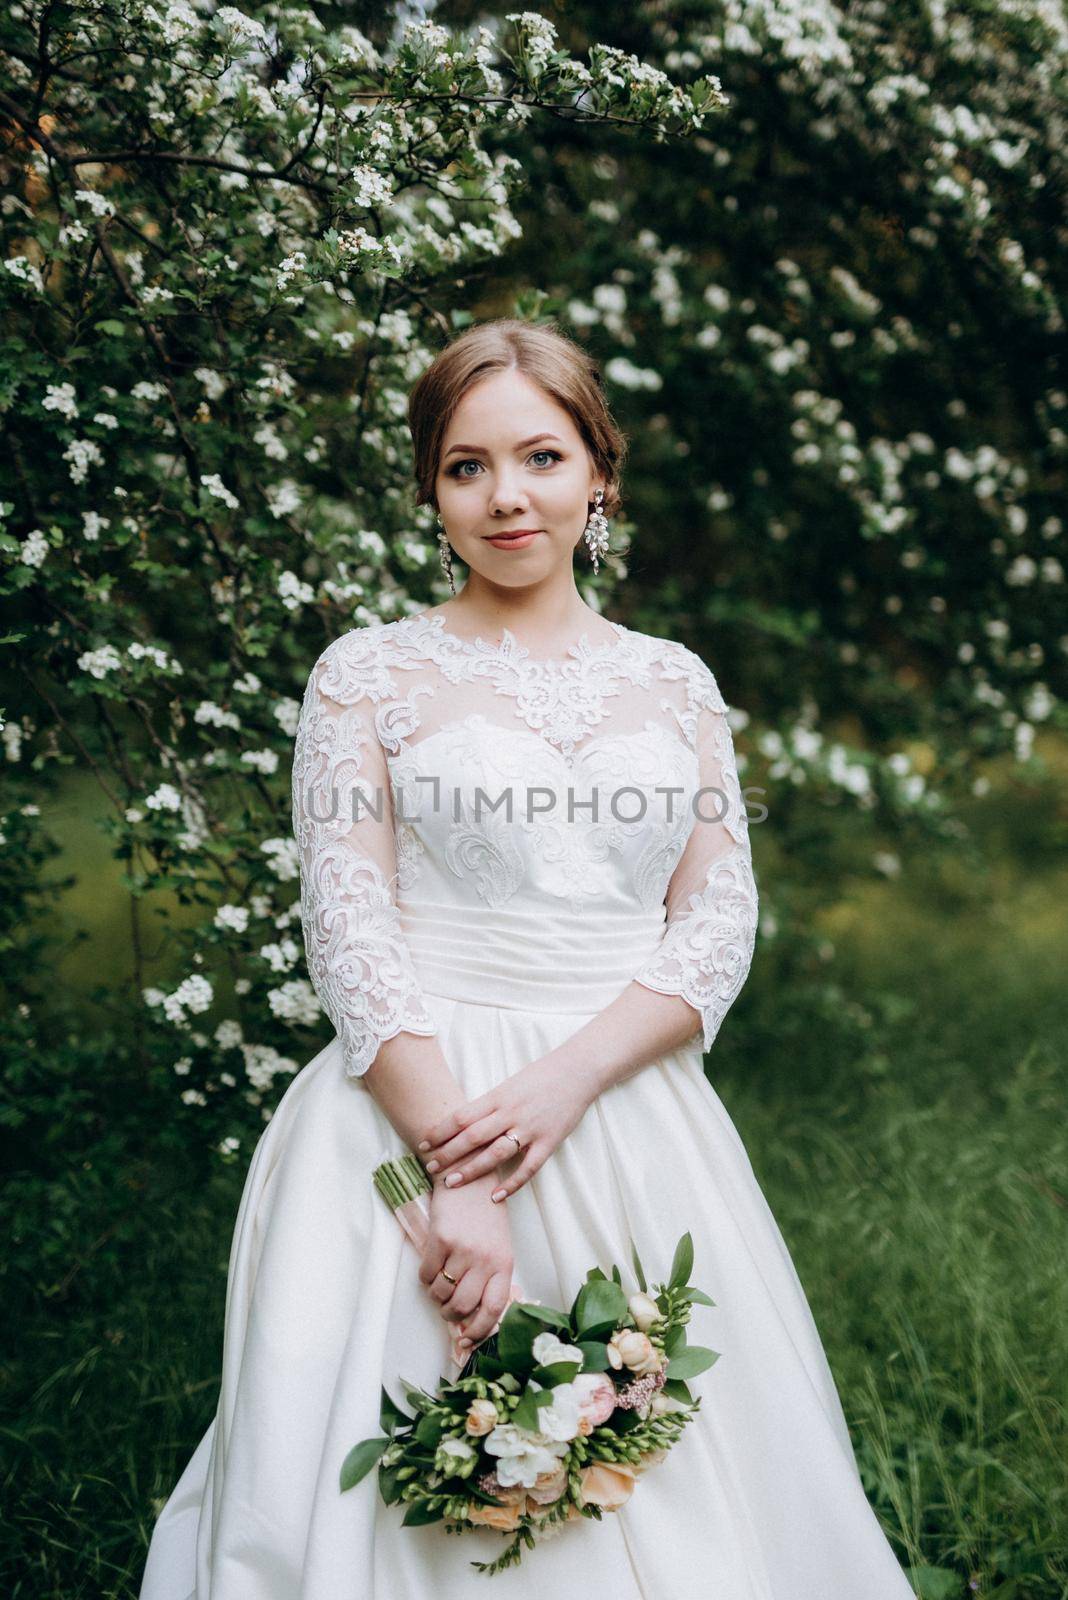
448,1275
514,1136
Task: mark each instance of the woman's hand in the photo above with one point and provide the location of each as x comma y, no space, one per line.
541,1103
472,1240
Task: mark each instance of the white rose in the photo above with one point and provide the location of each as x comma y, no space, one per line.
549,1349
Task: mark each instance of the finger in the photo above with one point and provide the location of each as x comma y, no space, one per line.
491,1310
433,1260
451,1125
471,1138
465,1297
530,1164
475,1166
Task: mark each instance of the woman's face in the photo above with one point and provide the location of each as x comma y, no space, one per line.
513,459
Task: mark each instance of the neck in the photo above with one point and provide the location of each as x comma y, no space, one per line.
548,614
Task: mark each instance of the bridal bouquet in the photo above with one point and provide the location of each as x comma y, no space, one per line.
553,1417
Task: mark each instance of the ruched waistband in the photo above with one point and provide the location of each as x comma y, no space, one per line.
530,960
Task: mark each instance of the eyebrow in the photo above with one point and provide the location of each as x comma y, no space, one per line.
477,450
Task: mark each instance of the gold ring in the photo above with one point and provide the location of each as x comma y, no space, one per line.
514,1136
448,1275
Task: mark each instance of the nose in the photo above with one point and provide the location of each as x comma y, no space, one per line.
506,496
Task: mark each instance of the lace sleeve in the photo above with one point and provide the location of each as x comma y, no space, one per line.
358,960
711,898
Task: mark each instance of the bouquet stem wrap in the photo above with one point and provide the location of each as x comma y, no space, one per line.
404,1185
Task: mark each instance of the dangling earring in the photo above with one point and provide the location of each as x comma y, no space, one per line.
445,552
596,529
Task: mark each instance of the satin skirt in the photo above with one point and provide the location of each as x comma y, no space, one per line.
759,1500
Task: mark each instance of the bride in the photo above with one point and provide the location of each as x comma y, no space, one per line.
528,904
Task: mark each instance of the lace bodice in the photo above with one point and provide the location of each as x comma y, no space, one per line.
434,769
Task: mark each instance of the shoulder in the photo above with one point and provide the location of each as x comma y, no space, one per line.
677,663
357,663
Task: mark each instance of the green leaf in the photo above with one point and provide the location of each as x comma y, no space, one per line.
515,1339
557,1372
109,325
682,1263
694,1359
359,1461
698,1297
675,1389
596,1355
675,1342
600,1303
390,1415
638,1270
428,1431
547,1314
525,1414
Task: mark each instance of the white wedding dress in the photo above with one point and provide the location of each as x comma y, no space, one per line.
437,913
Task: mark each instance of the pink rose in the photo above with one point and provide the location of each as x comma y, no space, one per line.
596,1396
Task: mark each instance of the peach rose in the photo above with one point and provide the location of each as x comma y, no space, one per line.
629,1348
608,1484
649,1459
481,1418
645,1311
504,1518
548,1486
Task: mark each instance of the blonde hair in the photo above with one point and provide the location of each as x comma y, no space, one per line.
549,358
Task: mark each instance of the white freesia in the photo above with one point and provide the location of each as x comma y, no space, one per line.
522,1455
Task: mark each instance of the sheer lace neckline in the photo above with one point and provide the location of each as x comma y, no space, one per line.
511,649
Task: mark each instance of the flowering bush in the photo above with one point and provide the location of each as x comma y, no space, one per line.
232,240
831,323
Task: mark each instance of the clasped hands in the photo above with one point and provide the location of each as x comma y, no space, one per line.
540,1103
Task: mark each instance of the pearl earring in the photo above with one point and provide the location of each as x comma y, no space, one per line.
445,552
596,529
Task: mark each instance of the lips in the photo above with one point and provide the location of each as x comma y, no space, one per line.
518,538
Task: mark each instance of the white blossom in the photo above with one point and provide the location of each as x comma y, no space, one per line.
82,454
284,858
98,204
233,919
34,548
165,798
263,1062
22,267
98,663
295,1001
265,761
213,484
61,397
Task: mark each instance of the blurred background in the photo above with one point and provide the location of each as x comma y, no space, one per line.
819,252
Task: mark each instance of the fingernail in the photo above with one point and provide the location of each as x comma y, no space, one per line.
453,1178
463,1343
432,1166
424,1144
498,1194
